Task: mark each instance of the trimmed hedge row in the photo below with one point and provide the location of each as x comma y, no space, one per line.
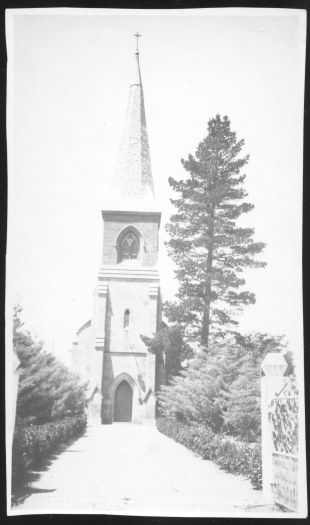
226,451
33,443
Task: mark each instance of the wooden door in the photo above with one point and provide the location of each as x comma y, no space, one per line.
123,402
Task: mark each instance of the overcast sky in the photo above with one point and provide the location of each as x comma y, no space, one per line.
69,78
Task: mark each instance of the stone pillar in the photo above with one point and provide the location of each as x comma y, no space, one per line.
273,366
99,317
150,375
99,320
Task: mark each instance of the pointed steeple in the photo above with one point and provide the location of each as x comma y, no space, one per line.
133,175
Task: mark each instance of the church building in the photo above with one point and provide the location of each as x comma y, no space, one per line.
109,353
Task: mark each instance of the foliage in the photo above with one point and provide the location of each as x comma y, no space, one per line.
191,396
226,451
170,349
240,397
259,344
47,389
221,389
284,418
242,404
32,443
50,403
209,248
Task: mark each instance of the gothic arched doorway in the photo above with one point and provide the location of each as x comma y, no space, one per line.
123,402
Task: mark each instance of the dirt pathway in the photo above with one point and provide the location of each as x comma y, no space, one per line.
133,469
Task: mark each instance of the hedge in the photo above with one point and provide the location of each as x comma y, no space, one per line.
33,443
226,451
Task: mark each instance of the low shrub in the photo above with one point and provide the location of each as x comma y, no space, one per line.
226,451
33,443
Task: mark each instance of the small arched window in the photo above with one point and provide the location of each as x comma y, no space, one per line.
126,318
129,247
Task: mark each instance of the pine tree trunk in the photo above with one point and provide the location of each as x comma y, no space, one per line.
208,288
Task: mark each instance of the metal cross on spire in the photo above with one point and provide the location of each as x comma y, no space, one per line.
137,35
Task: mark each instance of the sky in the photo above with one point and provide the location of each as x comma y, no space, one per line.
68,85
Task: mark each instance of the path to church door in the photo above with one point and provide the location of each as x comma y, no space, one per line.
123,402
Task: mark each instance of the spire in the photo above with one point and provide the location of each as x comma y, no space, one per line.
133,175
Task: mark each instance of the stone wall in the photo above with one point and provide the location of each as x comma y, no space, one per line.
135,297
147,226
107,351
80,351
126,367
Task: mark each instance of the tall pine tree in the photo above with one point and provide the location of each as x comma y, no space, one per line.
209,248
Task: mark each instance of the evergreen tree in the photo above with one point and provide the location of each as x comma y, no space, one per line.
242,412
221,388
170,349
241,399
192,395
259,344
47,389
209,248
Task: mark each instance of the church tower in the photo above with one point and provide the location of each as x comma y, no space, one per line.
109,349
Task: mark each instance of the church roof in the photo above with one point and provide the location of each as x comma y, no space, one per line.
85,325
133,181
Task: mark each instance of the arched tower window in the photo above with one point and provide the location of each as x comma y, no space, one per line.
128,248
126,318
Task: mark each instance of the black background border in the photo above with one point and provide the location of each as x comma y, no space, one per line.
140,4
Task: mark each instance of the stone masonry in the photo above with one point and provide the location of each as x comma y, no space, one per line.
109,353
